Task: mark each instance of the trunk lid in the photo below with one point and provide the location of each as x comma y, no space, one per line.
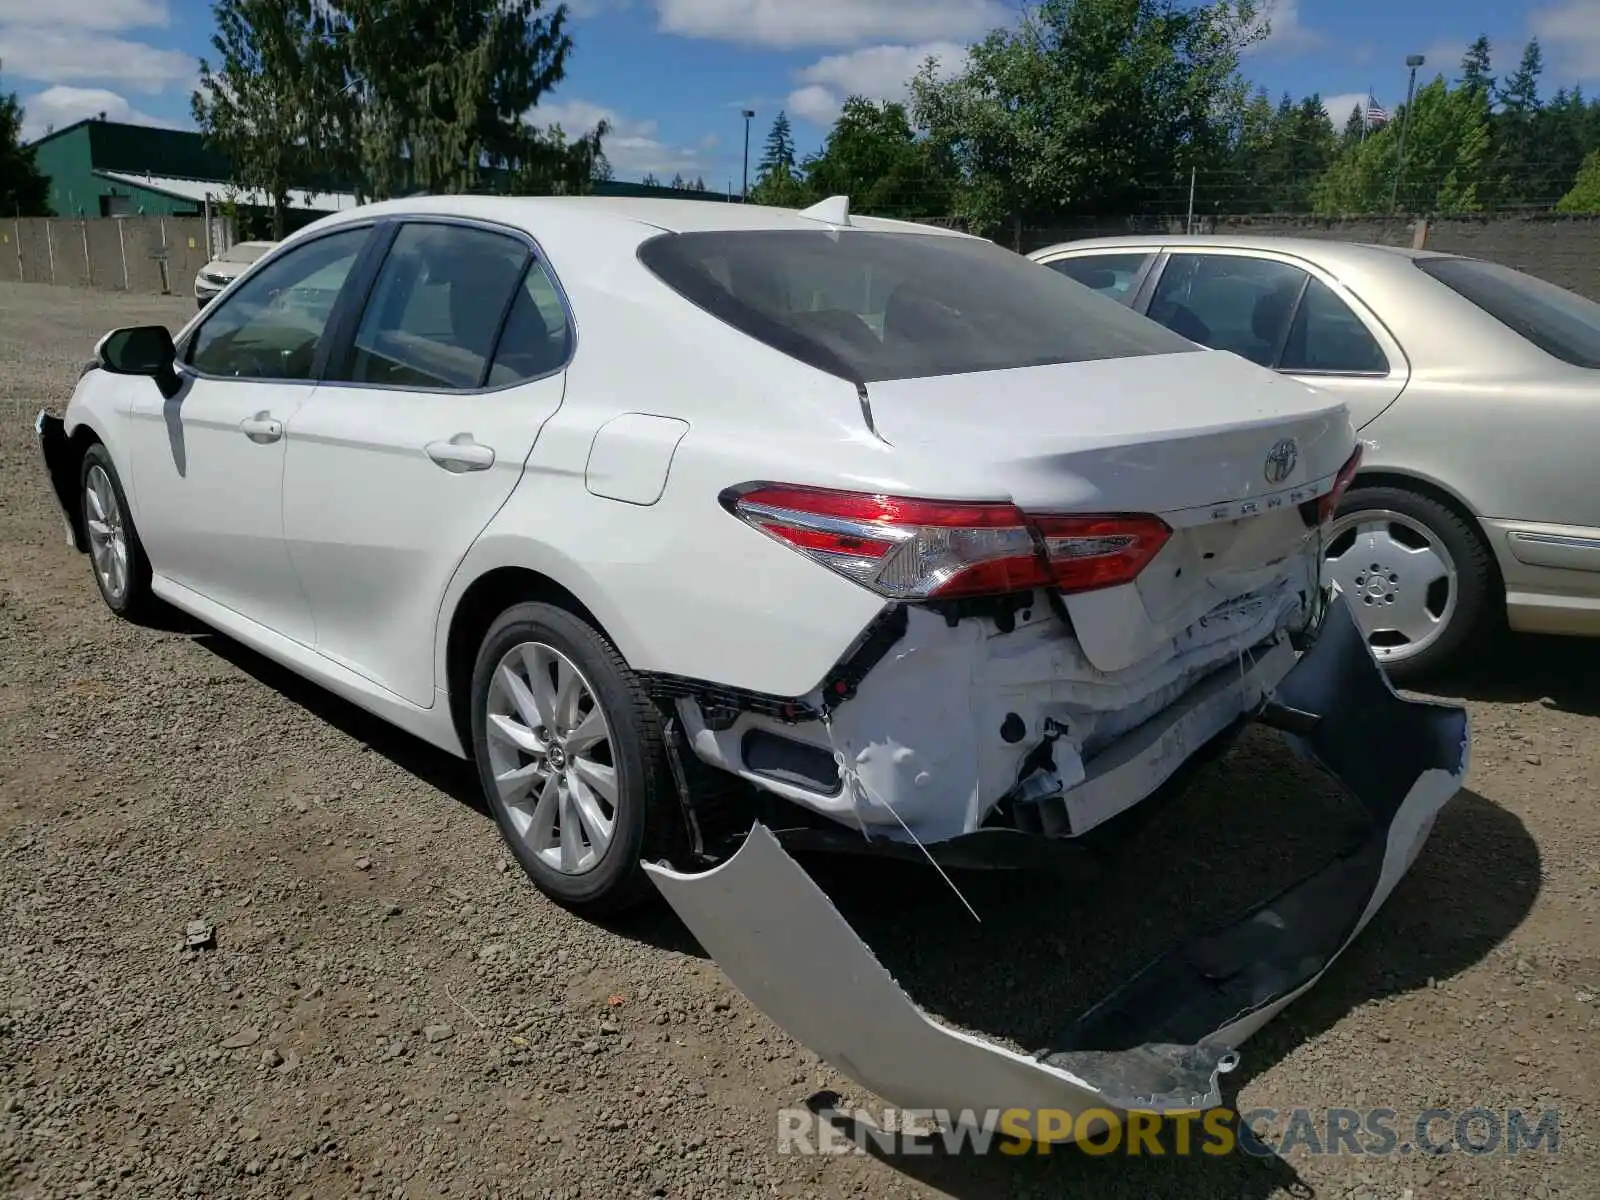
1223,450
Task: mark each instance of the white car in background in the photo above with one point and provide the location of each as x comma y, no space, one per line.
225,268
655,508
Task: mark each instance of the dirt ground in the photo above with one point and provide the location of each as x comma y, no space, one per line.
391,1009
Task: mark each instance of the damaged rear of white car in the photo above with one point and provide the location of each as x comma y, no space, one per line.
757,531
1092,567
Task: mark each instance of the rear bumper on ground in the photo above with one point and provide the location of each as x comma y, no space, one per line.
1161,1040
55,450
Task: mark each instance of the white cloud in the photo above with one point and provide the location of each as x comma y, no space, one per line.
60,56
105,15
1288,35
1569,35
814,103
791,23
58,107
632,147
1338,107
581,9
876,72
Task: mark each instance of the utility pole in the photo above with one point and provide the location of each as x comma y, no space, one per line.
1413,61
744,196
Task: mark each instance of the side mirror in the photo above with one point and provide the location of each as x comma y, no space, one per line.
141,350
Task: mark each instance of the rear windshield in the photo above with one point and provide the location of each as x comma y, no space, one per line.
869,306
1557,321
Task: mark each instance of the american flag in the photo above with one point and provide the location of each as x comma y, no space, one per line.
1376,116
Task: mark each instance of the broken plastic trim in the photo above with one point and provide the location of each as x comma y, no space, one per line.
1160,1041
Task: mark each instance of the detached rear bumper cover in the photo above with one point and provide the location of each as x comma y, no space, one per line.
51,433
1162,1039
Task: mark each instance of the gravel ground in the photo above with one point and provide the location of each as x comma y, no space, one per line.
390,1008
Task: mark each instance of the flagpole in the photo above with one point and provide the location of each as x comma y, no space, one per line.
1366,115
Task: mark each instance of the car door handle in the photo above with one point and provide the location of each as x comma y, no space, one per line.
460,454
262,428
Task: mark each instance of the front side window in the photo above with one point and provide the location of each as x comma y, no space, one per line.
1109,274
272,324
868,305
1559,322
437,308
1242,305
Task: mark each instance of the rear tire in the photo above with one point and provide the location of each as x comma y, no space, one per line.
1418,579
571,759
121,569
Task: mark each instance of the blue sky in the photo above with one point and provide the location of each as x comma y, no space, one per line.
672,75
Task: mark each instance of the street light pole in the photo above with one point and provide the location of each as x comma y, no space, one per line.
1413,61
744,196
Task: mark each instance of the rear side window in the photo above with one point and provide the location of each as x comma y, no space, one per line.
868,305
1327,338
1109,274
437,307
1557,321
1238,304
537,337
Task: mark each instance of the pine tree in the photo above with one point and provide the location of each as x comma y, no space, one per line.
1355,126
1515,134
1475,68
1520,95
449,91
779,151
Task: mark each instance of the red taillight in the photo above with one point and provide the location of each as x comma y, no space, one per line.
925,549
1341,484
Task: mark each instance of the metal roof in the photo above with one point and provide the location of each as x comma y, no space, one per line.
196,191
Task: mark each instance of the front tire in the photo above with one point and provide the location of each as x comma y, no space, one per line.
121,570
1417,577
571,758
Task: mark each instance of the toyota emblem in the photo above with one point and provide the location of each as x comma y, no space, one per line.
1281,459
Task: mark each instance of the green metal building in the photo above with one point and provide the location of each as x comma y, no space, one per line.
95,167
100,168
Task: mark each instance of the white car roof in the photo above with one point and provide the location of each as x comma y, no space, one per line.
674,216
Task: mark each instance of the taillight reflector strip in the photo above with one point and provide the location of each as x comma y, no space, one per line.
1088,553
1341,484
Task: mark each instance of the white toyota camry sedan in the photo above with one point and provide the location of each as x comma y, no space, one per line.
669,514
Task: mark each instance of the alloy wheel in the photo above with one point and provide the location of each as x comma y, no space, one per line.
1398,578
551,754
108,537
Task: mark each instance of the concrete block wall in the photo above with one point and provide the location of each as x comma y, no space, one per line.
137,254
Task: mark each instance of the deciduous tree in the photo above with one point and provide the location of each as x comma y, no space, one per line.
873,156
23,191
258,103
1584,197
1088,106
